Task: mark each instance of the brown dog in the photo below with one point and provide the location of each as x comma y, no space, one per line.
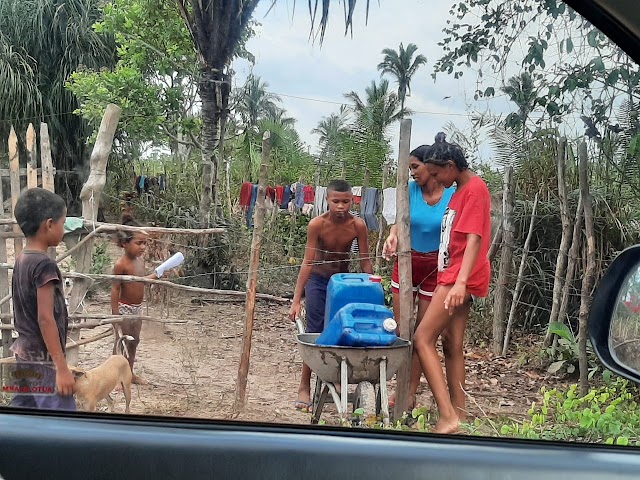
95,384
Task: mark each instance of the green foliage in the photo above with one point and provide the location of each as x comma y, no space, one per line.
608,414
153,81
565,355
41,43
402,66
100,260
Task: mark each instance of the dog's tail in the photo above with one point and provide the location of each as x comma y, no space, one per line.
121,346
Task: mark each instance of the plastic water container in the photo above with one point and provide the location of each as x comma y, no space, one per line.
346,288
360,325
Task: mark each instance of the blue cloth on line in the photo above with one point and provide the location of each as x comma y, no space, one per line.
252,204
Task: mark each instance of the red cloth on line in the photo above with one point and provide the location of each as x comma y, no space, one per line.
309,194
245,194
279,193
271,193
357,200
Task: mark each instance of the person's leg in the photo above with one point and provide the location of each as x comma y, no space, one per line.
132,328
315,301
436,319
453,349
416,369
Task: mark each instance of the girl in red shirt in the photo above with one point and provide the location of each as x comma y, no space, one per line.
463,272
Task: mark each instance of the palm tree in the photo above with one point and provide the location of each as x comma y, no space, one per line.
379,109
42,42
521,90
331,131
402,67
257,102
217,28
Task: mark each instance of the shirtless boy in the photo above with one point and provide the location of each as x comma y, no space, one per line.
329,240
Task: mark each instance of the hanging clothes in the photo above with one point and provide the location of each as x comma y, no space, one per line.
279,194
270,193
143,179
136,185
309,194
357,195
162,182
320,204
370,208
355,249
286,197
299,196
252,204
307,209
389,205
245,194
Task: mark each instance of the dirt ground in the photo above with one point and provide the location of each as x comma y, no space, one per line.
191,363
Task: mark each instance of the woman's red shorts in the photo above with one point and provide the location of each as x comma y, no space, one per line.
424,270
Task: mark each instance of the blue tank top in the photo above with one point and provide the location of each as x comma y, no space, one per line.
426,220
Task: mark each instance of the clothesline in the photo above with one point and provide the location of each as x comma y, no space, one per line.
311,201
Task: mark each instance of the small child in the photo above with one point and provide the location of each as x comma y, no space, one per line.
328,249
40,312
127,297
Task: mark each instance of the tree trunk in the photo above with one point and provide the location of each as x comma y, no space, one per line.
587,280
561,261
571,268
520,280
406,320
210,116
502,291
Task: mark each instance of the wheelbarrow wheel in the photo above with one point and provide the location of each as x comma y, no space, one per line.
365,399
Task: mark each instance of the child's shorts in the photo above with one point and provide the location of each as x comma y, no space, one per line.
46,401
129,309
424,272
315,293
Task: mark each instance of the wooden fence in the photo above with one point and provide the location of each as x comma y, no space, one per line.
39,172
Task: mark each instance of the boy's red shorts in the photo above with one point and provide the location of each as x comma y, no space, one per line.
424,269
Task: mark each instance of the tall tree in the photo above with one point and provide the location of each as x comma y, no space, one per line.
216,28
521,90
256,102
379,109
42,42
402,66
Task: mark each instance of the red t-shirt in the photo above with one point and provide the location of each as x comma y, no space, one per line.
469,211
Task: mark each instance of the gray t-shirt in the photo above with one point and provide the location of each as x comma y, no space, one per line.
32,271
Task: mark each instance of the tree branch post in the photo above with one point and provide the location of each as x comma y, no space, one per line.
90,196
252,280
406,322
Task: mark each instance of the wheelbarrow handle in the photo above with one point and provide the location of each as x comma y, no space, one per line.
300,326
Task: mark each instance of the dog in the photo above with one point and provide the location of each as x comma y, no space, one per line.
98,383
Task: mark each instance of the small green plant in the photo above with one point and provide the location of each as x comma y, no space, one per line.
565,355
608,414
100,261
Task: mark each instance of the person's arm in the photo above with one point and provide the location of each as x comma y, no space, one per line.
390,247
305,270
458,292
64,378
116,287
363,247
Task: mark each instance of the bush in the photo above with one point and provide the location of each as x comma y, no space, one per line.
608,414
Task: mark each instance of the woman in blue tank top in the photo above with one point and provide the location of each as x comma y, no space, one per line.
428,201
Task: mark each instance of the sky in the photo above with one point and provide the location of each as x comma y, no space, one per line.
320,75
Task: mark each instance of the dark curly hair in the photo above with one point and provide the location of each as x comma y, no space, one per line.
442,152
125,236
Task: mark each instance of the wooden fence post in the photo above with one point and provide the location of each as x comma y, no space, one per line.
565,239
4,284
589,274
520,280
45,159
502,290
32,161
252,280
406,322
14,175
90,196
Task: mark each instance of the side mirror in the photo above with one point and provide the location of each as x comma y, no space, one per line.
614,319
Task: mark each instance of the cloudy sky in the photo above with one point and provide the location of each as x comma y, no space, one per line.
312,79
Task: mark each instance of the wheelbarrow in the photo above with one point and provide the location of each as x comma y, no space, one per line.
366,367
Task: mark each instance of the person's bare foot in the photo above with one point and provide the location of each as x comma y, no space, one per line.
137,380
447,425
392,402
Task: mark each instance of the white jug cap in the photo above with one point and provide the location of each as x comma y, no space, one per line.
390,325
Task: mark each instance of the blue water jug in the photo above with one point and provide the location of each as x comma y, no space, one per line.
345,288
360,325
